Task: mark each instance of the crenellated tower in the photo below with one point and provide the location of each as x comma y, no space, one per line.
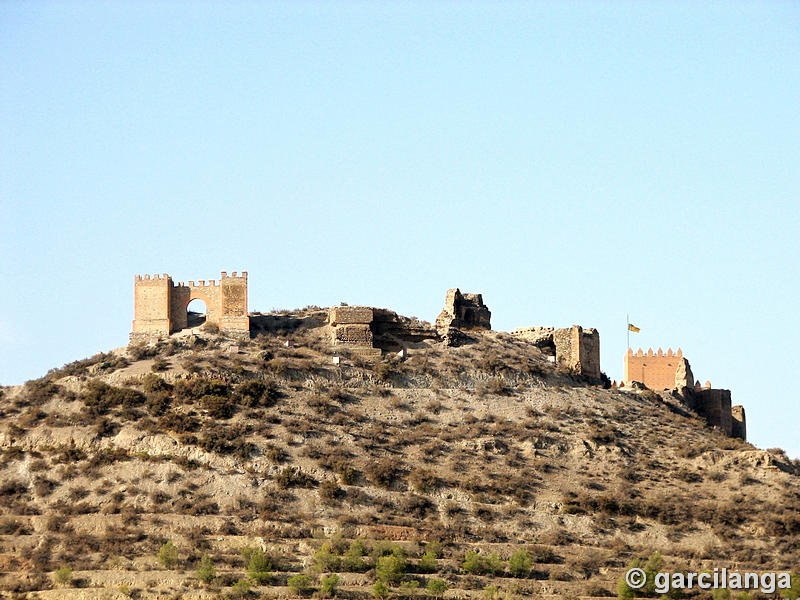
160,306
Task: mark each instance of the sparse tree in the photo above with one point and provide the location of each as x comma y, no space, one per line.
437,587
206,571
380,591
168,555
300,584
520,563
63,575
328,585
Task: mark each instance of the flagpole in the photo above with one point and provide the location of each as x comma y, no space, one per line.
628,330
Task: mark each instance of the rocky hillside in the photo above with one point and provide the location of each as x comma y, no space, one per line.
201,468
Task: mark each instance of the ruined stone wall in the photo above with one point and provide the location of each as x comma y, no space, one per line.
463,311
351,326
578,350
160,306
367,327
654,369
715,406
738,422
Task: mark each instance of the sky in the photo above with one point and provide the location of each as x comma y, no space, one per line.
575,162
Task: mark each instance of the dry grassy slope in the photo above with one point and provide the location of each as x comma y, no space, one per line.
484,447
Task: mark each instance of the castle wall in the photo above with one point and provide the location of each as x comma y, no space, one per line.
655,370
715,406
578,350
463,311
738,422
160,306
151,305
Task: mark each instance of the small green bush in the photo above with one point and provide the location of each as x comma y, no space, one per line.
206,571
353,559
258,565
300,584
380,591
520,563
390,569
63,575
325,560
473,563
437,587
328,585
168,555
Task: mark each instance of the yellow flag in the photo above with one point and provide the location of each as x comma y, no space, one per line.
633,328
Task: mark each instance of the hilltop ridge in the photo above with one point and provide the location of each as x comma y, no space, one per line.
327,459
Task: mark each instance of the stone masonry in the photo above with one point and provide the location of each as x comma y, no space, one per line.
672,371
578,350
160,305
463,311
655,370
574,348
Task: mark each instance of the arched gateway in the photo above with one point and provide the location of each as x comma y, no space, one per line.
160,306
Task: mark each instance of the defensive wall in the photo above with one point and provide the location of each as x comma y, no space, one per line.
661,370
573,348
160,306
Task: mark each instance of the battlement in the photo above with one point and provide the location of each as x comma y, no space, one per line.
160,306
156,278
660,352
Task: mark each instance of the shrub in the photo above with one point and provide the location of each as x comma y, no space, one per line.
240,589
427,562
101,397
423,480
353,559
325,560
191,390
437,587
258,565
382,473
294,477
390,569
494,564
473,563
520,563
257,393
219,407
168,555
63,575
210,327
328,585
380,591
346,473
300,584
206,571
159,364
329,491
153,383
408,589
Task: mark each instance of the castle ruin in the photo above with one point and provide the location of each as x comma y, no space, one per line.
573,348
672,371
160,306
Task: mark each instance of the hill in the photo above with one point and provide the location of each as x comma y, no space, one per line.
482,466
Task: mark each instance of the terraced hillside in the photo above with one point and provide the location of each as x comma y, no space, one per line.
204,469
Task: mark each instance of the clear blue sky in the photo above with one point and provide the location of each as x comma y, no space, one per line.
572,161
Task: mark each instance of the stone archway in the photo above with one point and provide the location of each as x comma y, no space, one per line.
196,312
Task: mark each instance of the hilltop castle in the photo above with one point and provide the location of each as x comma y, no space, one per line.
672,371
161,309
